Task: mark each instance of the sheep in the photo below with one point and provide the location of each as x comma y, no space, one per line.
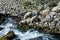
45,12
56,9
34,19
28,14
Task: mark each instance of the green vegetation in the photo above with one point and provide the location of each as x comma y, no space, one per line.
38,2
48,2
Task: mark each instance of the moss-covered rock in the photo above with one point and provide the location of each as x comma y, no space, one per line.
10,35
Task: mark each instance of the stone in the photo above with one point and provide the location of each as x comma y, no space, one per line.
14,14
10,35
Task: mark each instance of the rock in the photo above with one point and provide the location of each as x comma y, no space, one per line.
58,13
14,14
3,12
10,35
2,27
3,38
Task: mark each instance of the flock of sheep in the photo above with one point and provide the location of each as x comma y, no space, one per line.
48,17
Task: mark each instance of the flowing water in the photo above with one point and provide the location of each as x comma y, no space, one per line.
9,25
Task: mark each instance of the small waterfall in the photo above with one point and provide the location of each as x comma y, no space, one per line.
30,34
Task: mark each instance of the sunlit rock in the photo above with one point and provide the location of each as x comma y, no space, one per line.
3,38
10,35
14,14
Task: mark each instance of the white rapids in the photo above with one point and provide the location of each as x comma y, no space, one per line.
30,34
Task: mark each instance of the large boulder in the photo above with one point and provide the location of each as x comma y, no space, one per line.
10,35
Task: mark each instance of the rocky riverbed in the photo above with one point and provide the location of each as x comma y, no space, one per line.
27,15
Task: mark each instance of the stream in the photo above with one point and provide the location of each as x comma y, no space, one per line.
9,25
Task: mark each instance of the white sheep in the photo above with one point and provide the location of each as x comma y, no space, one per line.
56,9
28,14
34,19
45,12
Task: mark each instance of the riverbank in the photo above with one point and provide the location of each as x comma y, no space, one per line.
43,16
36,17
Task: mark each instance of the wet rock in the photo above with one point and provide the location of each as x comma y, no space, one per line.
14,14
3,38
10,35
